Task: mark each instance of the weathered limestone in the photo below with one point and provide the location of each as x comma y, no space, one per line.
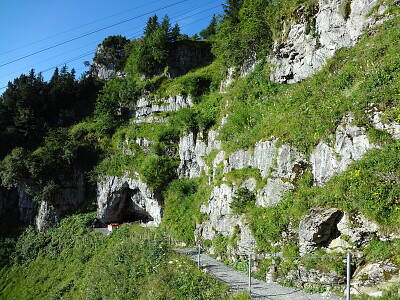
192,151
71,196
318,228
222,221
351,142
307,46
127,199
373,277
146,106
375,115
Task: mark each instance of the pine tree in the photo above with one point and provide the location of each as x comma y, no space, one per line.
211,29
151,25
175,33
231,9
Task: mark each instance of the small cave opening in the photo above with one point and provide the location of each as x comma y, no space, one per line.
131,209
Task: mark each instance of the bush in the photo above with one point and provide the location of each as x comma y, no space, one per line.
158,171
242,201
182,208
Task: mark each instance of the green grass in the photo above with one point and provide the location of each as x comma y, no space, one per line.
73,262
182,201
302,114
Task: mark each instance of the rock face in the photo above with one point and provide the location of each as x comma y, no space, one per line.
192,152
369,279
351,142
106,72
187,55
318,228
109,59
375,115
146,106
26,207
127,199
221,221
72,195
309,45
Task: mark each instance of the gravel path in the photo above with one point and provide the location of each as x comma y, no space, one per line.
239,281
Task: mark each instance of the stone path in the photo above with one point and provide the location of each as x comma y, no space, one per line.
239,281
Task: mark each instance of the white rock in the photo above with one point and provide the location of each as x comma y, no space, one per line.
123,197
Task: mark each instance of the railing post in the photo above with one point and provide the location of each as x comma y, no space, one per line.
198,255
348,277
249,273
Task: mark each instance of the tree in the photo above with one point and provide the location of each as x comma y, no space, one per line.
151,25
243,31
211,29
112,52
231,9
175,33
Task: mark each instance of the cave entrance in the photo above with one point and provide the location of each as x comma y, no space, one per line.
133,207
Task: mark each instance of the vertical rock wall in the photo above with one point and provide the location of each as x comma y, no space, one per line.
308,46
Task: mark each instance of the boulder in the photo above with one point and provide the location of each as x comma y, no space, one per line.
318,228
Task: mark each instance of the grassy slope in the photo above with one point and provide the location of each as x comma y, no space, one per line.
85,266
73,262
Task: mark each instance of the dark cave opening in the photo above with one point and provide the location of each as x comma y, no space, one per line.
132,207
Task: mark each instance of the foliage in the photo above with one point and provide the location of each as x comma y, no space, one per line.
210,31
158,171
117,94
112,51
72,261
243,32
30,106
182,208
345,9
150,54
242,201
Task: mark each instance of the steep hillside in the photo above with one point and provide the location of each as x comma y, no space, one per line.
283,142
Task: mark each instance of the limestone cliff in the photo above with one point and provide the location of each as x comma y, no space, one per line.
307,44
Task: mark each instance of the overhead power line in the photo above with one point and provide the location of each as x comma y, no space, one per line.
92,51
78,27
134,35
92,32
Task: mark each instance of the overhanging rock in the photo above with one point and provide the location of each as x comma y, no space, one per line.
127,200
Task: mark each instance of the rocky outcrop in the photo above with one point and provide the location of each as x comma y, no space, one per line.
193,150
72,193
147,106
318,228
350,143
26,207
375,115
187,55
314,39
127,199
221,221
70,197
107,71
372,278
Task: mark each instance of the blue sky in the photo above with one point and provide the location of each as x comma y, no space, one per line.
28,27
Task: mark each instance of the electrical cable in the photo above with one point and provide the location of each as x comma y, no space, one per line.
78,27
186,17
136,33
91,52
90,33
